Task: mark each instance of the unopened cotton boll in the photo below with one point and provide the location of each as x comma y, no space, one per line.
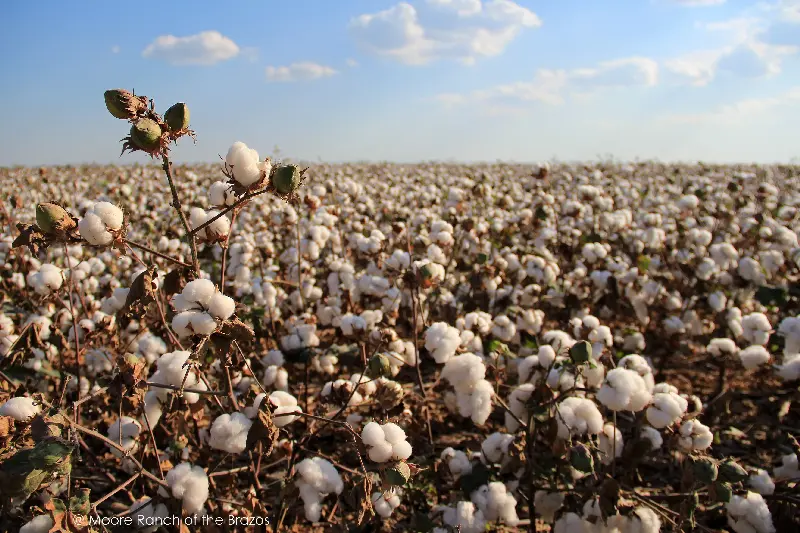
20,408
624,390
229,433
189,484
749,514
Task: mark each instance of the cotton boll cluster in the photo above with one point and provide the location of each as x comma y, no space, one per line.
495,447
749,514
474,394
100,223
753,356
274,375
229,433
442,341
547,504
624,390
47,279
578,416
317,478
385,442
756,328
385,503
245,166
20,408
496,503
190,485
200,307
302,334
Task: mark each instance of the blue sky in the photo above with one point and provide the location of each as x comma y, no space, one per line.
467,80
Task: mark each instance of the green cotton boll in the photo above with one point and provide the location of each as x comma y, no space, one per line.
146,134
177,117
50,217
379,366
286,178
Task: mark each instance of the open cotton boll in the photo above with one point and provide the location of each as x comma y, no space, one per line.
244,164
496,503
610,444
199,291
284,403
464,517
756,328
229,432
144,512
749,514
643,520
578,416
46,280
667,408
442,341
189,484
761,482
317,478
695,436
385,442
547,504
457,462
20,408
624,390
221,306
385,503
495,447
789,468
573,523
517,404
39,524
221,194
252,410
124,432
754,356
152,409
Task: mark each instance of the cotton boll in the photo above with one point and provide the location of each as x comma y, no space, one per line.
442,341
653,436
547,504
385,442
316,479
284,404
464,517
749,514
571,523
229,433
124,432
385,503
754,356
610,444
695,436
789,468
495,448
202,324
578,416
517,404
457,462
220,306
189,484
667,409
244,164
756,328
200,291
643,520
496,503
39,524
20,408
790,369
152,408
145,512
624,390
93,230
761,482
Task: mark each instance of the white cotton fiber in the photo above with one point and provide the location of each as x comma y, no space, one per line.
578,416
229,433
749,514
442,341
316,479
221,306
40,524
20,408
624,390
190,484
385,503
284,403
385,442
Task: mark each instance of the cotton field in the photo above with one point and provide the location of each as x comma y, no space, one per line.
576,348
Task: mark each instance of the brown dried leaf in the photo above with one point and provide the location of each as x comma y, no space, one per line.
175,281
143,290
30,236
263,430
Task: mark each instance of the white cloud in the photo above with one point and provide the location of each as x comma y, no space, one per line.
304,71
204,48
462,30
115,49
551,86
738,111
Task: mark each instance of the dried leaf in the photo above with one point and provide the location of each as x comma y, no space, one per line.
143,290
263,430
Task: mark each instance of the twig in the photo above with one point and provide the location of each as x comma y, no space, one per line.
176,203
157,253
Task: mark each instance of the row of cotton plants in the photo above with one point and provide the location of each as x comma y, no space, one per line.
449,348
